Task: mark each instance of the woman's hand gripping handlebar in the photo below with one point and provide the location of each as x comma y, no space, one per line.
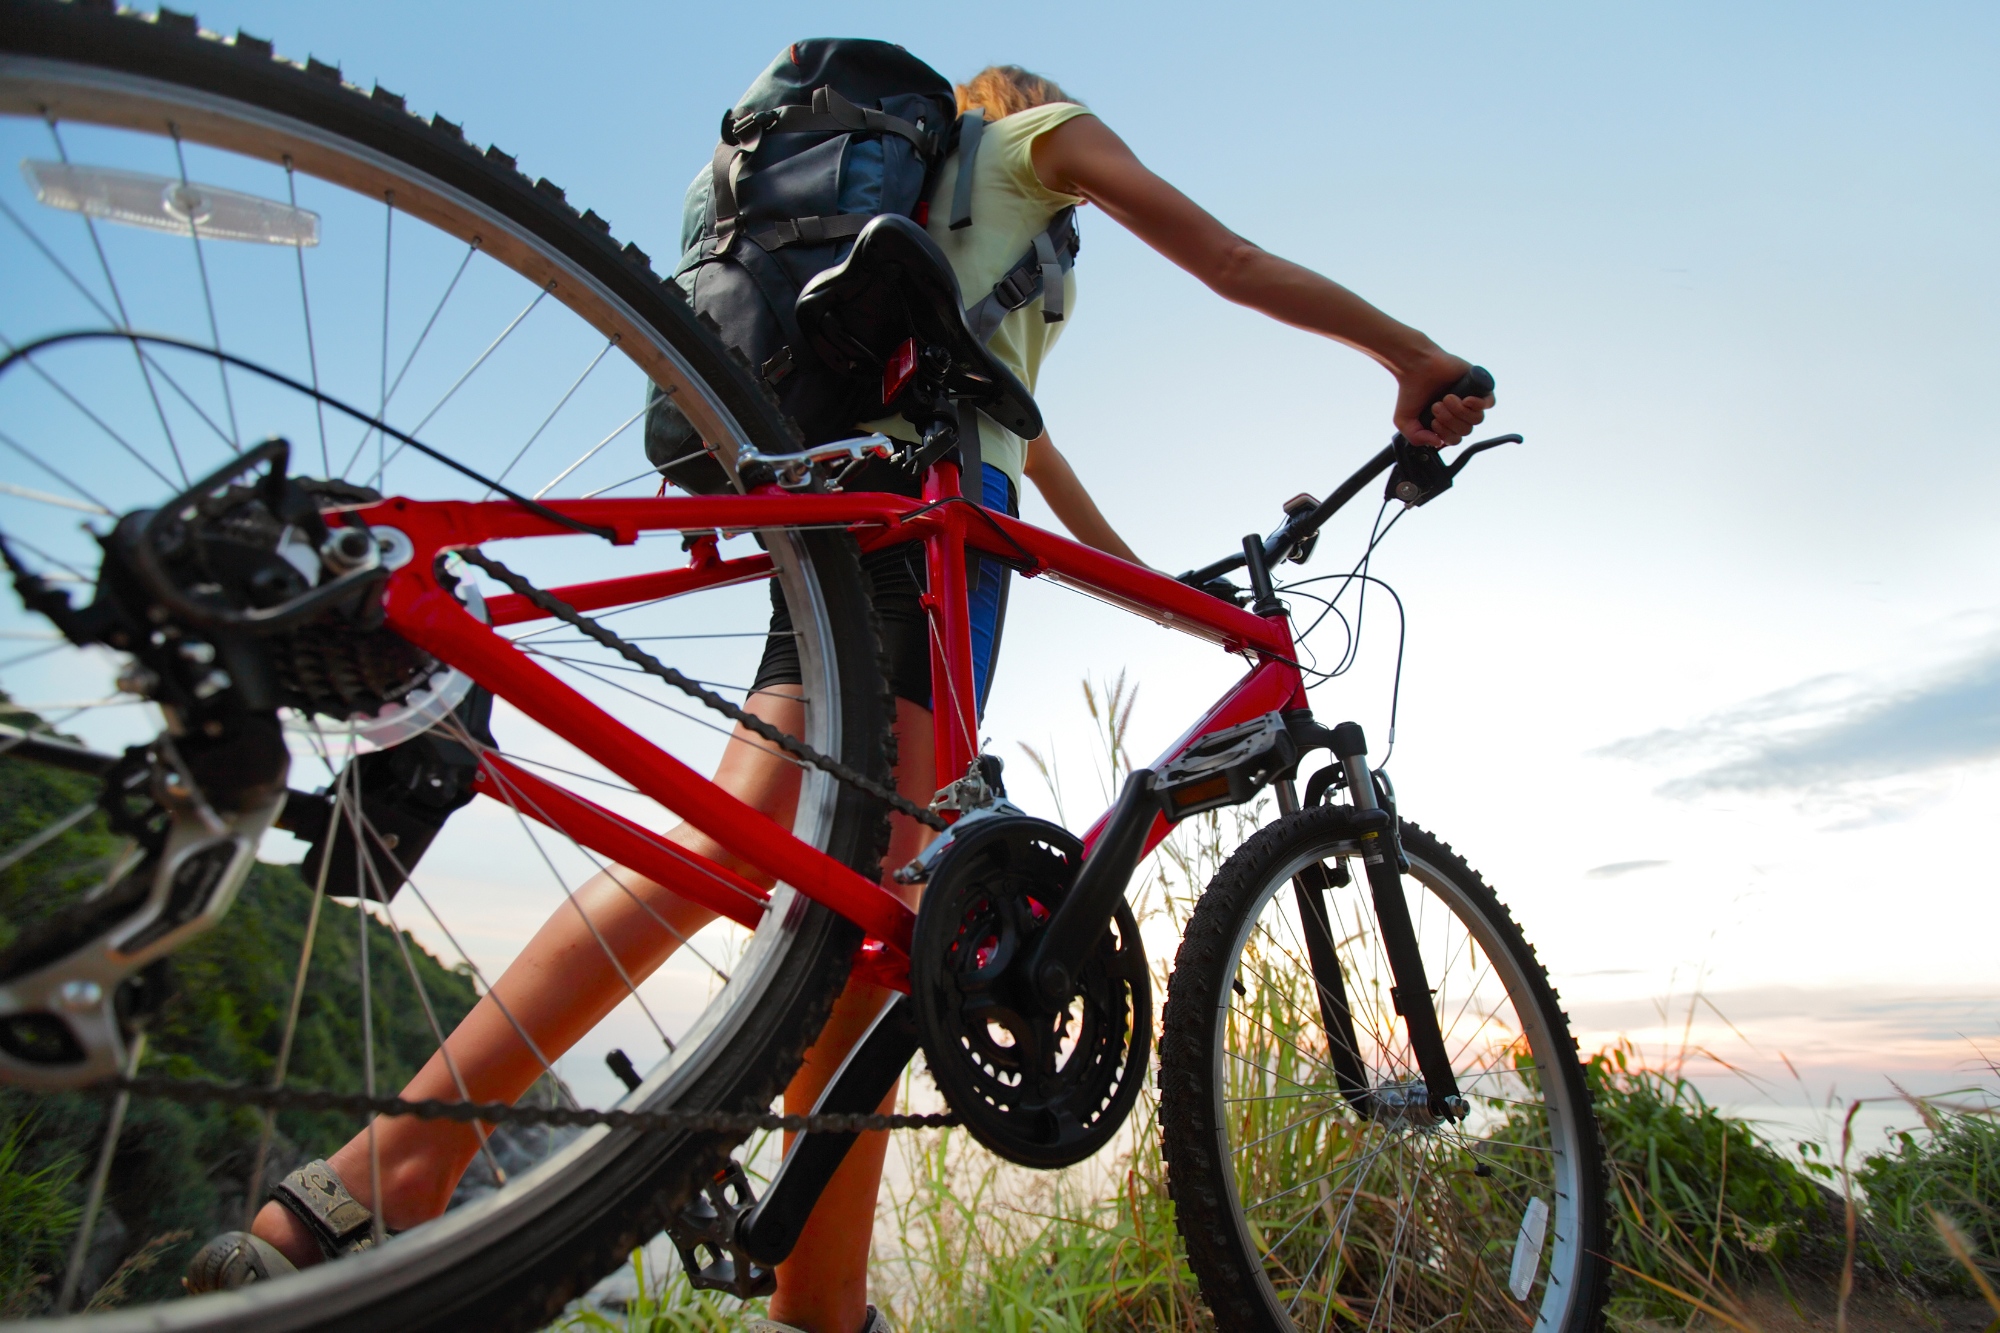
1419,475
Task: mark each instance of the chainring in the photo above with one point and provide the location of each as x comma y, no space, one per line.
1039,1087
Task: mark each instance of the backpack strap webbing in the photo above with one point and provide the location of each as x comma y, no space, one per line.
829,113
971,472
723,170
1037,273
971,126
810,231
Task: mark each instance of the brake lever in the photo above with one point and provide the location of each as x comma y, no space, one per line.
1420,475
1458,464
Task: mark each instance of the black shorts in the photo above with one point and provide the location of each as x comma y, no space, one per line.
896,579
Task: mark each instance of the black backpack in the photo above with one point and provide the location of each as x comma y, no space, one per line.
836,132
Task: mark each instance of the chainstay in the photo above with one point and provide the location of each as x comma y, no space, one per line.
646,662
205,1092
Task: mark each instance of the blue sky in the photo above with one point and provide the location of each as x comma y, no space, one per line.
1730,616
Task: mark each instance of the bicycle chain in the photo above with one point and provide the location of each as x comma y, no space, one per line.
198,1091
646,662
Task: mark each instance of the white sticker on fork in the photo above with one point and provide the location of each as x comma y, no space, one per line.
1528,1248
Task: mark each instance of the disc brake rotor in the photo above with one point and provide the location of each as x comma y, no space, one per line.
1040,1087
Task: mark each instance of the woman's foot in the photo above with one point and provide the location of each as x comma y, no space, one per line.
311,1218
234,1259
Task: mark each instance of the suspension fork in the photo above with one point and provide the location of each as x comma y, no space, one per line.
1309,888
1383,859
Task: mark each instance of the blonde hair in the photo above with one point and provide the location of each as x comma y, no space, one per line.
1004,89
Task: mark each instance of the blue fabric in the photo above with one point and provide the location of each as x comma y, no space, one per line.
985,588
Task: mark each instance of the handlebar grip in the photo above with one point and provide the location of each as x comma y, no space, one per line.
1474,383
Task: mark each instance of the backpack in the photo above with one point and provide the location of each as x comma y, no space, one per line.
836,132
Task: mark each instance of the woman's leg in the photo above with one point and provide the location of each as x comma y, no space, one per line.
558,988
823,1287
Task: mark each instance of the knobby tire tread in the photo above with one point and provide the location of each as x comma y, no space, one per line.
1198,1177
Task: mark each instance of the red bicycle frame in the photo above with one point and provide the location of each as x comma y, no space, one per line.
949,525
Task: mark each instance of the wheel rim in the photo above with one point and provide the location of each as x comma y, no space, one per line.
1382,1216
108,118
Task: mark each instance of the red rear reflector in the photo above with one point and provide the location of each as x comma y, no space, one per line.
923,213
897,370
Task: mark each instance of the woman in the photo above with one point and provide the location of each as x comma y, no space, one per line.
1041,152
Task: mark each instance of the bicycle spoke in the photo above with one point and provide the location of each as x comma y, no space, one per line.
47,835
305,309
617,965
430,1013
466,739
254,1187
137,456
124,320
459,383
43,497
570,393
93,1201
350,807
605,490
207,295
422,337
588,454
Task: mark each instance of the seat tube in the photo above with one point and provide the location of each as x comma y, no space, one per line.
954,704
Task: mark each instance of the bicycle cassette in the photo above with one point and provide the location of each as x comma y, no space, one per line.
1040,1087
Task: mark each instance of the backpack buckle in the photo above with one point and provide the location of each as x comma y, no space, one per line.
1018,288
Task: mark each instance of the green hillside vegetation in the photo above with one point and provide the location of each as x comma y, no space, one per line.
182,1169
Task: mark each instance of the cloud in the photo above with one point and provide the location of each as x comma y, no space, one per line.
1837,737
1616,868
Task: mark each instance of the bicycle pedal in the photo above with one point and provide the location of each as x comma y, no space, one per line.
1225,768
705,1234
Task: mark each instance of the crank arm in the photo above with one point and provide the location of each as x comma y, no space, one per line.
770,1230
1412,992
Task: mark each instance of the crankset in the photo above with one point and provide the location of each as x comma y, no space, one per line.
1040,1084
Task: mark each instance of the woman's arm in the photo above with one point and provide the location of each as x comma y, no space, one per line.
1051,473
1083,157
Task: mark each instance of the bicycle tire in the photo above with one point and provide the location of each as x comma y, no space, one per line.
512,1260
1451,1233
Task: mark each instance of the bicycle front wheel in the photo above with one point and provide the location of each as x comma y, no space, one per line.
1312,1185
211,193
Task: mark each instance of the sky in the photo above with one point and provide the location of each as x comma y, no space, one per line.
1705,676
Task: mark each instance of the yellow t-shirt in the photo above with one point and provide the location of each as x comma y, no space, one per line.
1010,206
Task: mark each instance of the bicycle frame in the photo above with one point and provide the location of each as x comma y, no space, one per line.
423,611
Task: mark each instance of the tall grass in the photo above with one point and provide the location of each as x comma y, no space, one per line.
1702,1206
1701,1203
1951,1171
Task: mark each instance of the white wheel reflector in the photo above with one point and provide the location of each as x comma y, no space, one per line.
1528,1248
165,203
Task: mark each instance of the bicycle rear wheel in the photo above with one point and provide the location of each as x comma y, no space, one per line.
204,190
1307,1206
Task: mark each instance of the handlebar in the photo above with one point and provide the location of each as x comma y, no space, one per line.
1399,452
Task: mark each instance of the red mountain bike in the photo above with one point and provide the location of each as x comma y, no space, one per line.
1372,1104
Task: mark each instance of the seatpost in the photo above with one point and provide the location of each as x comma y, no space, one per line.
1264,598
1412,993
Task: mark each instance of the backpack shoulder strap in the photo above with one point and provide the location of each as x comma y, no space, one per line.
830,113
1037,273
971,126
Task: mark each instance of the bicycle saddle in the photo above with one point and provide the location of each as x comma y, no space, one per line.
896,285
